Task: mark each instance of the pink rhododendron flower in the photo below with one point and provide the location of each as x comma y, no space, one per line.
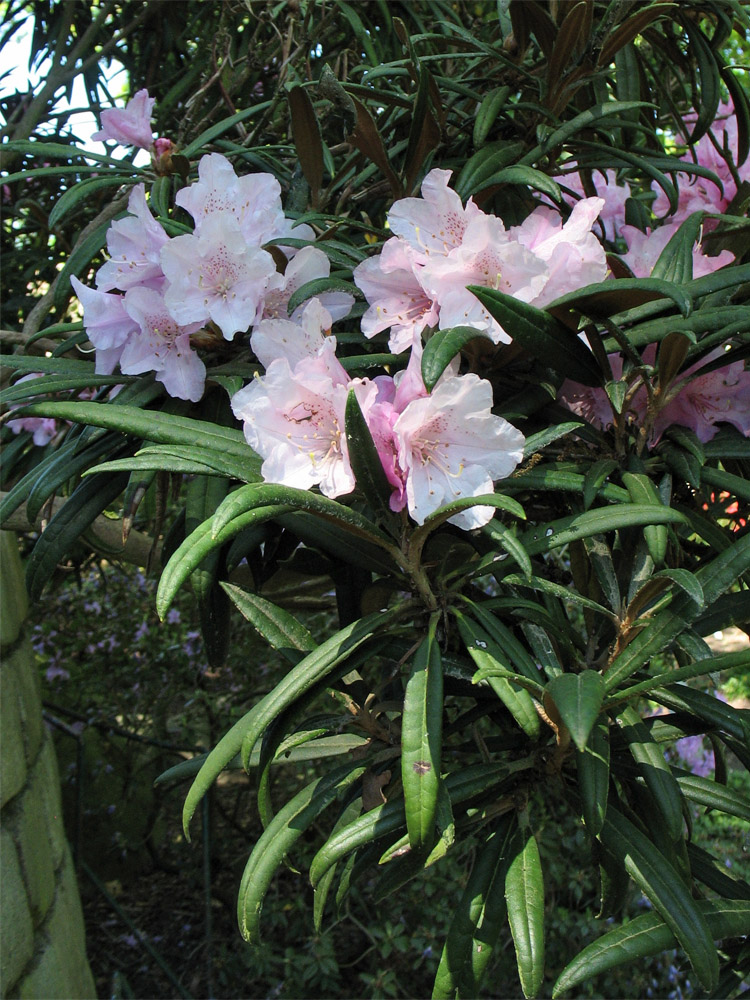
216,275
307,265
108,325
451,445
573,255
440,247
436,222
161,345
397,298
644,249
306,338
294,419
699,193
43,429
612,215
134,245
131,126
253,200
721,396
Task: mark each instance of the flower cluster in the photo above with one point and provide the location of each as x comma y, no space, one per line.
441,246
705,394
434,447
218,277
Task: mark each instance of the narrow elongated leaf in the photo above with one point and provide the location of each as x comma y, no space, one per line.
524,897
279,628
655,876
441,349
82,507
280,835
385,820
647,935
199,544
487,114
326,663
421,741
522,662
713,795
254,497
593,776
151,425
578,698
654,769
714,577
368,470
642,490
478,919
675,262
540,334
318,665
82,189
495,668
318,286
607,298
581,121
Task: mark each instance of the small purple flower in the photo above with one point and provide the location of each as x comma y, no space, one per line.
173,616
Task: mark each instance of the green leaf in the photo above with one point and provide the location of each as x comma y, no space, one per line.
483,164
82,507
330,661
713,795
318,286
286,827
502,635
421,741
200,544
319,665
493,666
478,918
675,262
592,522
661,630
254,497
582,121
540,440
543,336
607,298
655,876
443,514
442,347
486,116
647,935
593,776
279,628
221,127
578,698
81,190
524,898
194,460
368,470
385,820
525,176
159,427
642,490
508,541
654,770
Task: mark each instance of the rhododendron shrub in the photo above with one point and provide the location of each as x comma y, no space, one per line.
468,355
